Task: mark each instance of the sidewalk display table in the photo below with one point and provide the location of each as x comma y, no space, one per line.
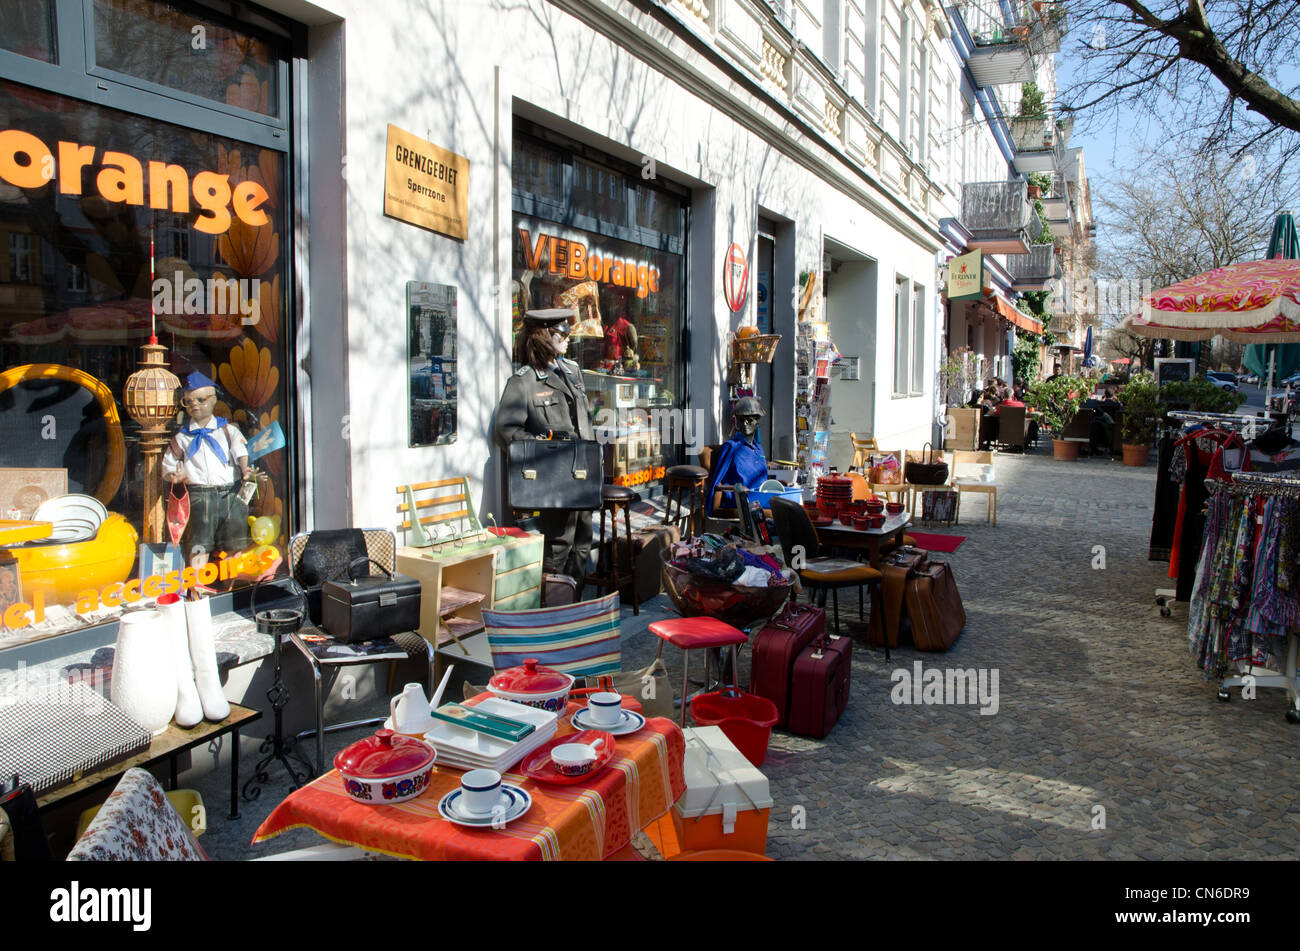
166,746
874,541
587,821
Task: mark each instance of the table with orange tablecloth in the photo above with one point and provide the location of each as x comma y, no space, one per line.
584,822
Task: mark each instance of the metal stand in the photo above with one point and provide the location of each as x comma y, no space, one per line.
274,746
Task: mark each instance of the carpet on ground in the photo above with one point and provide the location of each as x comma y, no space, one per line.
932,542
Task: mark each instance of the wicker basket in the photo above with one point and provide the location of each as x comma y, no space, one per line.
760,349
735,604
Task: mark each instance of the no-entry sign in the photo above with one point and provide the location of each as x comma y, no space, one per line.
735,277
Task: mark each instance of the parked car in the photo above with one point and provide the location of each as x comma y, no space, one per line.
1224,381
1292,380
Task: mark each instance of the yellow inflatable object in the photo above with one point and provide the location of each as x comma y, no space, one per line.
113,472
63,570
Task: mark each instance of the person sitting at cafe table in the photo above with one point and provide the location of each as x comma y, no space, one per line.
1103,424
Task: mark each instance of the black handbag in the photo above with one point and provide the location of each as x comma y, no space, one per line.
362,609
555,474
927,472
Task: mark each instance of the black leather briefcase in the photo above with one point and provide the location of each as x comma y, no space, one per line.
361,609
555,474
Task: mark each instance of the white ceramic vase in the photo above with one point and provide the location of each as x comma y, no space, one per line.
144,671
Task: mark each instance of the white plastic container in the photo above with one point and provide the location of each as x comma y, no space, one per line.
727,799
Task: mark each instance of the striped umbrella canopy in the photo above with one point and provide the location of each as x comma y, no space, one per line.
1250,302
1285,358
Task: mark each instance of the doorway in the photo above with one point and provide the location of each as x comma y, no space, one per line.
851,289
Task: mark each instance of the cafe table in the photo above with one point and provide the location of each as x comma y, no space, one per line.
874,541
586,821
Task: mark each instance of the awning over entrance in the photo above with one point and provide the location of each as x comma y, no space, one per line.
1017,318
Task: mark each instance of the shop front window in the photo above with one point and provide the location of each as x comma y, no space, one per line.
28,28
613,249
118,226
167,45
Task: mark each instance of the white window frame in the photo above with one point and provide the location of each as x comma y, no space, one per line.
918,339
902,337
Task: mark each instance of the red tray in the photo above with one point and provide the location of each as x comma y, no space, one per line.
537,765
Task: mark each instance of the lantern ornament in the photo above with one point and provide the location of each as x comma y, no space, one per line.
151,393
152,398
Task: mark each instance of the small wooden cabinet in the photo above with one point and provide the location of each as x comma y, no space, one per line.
458,583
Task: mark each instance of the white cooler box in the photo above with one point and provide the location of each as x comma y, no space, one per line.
727,799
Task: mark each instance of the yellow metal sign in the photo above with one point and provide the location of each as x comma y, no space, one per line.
426,185
966,277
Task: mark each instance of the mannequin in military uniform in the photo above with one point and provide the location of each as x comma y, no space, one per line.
545,399
740,458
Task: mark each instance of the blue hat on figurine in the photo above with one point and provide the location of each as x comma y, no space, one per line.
197,381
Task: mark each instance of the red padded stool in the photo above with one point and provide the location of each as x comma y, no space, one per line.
696,633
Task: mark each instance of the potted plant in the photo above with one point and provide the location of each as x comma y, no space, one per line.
1141,399
1059,400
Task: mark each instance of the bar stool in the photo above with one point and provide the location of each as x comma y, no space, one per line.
685,481
697,633
615,498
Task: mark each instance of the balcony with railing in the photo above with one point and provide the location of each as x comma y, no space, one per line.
997,215
1035,270
1038,143
1000,58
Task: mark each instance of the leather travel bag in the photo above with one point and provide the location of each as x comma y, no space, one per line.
775,649
901,565
819,685
930,471
362,609
554,474
934,607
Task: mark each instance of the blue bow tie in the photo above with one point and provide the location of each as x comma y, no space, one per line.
204,436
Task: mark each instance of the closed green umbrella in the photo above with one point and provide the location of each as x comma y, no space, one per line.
1285,243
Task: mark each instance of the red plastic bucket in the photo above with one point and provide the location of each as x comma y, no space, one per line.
746,718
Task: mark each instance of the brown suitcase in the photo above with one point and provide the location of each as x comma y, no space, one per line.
776,648
819,685
934,607
899,566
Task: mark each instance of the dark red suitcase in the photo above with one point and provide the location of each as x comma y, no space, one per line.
775,648
819,688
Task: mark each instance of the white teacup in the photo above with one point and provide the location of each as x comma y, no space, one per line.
480,791
605,709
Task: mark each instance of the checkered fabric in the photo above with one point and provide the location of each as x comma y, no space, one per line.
51,734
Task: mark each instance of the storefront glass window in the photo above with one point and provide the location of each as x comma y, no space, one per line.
28,28
112,224
165,44
613,248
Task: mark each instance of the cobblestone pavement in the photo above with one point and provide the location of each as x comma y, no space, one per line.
1099,705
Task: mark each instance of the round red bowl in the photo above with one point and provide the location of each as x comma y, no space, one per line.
862,522
875,506
894,508
875,521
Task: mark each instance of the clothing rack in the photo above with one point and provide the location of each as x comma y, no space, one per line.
1248,427
1267,484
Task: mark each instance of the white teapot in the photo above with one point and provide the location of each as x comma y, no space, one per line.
410,710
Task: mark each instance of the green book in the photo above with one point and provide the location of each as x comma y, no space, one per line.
503,728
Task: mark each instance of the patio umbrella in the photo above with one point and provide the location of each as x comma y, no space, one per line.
1087,347
1250,302
1285,243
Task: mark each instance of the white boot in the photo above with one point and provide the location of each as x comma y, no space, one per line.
189,709
198,617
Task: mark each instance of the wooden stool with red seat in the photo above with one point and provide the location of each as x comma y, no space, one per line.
696,633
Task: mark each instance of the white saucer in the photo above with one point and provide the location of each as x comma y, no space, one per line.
630,723
519,802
